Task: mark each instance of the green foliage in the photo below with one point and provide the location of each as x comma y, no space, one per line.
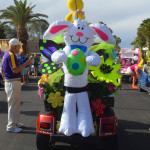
2,32
20,14
47,90
55,77
143,35
36,29
118,40
10,31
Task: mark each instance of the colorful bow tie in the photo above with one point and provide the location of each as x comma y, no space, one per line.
82,48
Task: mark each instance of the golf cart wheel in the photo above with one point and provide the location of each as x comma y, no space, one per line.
111,144
42,141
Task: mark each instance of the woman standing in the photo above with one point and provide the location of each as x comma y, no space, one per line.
36,64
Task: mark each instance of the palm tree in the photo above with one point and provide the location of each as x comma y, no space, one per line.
144,29
2,32
21,15
36,30
118,40
143,35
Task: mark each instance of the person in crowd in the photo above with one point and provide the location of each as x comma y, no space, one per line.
28,69
36,64
12,72
22,60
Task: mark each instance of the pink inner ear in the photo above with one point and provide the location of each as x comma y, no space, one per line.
101,34
56,29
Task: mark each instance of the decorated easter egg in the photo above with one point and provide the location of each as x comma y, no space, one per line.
76,62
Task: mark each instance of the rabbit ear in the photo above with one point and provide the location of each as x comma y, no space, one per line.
56,28
103,32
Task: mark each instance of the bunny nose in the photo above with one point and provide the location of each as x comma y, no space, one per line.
79,34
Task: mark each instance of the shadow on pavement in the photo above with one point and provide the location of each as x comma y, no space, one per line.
30,113
29,88
29,130
3,107
133,135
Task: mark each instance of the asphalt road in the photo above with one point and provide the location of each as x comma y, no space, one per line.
132,109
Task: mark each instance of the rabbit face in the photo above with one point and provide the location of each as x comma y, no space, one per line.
79,34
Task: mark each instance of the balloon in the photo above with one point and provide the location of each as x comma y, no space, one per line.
76,62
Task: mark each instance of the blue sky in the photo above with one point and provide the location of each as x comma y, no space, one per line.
122,16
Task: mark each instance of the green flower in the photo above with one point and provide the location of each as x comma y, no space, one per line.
106,71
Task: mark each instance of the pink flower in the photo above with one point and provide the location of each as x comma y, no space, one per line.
98,107
82,12
40,92
111,87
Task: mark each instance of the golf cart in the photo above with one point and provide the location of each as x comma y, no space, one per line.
106,126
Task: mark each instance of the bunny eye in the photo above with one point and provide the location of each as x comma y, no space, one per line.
78,27
82,28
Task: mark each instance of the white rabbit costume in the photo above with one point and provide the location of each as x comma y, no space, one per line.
80,35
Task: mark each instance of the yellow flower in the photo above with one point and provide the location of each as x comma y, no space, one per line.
55,99
95,128
106,71
57,126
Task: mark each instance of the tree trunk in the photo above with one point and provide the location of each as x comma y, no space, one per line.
22,35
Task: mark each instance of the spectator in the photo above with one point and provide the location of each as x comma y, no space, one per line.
11,73
28,69
36,64
22,60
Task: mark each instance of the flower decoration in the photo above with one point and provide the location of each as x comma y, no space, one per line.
106,71
55,99
98,106
95,128
57,126
111,87
40,92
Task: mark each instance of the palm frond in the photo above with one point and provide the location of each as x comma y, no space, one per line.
16,2
37,15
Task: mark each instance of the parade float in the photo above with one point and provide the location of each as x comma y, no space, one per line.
77,84
128,57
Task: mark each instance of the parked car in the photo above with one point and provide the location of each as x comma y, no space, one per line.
106,135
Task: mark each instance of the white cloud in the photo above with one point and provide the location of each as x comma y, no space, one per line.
127,28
